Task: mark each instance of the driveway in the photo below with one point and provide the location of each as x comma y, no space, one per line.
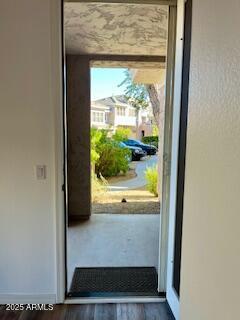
139,181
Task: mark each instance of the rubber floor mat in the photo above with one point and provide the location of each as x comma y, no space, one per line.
118,281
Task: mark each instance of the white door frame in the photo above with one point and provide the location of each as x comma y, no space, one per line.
57,89
59,106
166,151
171,294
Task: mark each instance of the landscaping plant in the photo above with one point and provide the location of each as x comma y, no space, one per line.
107,157
121,134
152,140
151,175
112,160
98,186
96,136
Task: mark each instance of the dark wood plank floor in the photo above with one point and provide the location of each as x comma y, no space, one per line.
148,311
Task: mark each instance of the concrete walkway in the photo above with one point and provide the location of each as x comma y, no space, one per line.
139,181
108,240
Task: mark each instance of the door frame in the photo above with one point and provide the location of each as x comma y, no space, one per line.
179,136
172,298
115,61
166,150
182,144
59,103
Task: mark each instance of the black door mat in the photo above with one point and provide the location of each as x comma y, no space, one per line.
114,281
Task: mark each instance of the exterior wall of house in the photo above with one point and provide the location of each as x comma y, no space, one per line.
100,116
114,116
123,115
145,129
124,121
146,121
210,278
27,138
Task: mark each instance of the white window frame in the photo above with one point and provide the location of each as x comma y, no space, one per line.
122,110
97,114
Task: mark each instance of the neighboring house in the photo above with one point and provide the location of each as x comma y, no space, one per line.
113,112
100,115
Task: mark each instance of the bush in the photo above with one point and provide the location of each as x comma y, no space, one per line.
151,175
107,157
121,134
152,140
112,160
96,136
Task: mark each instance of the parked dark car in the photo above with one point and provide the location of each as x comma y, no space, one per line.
151,150
137,153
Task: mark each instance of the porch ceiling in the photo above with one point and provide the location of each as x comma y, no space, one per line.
148,76
116,28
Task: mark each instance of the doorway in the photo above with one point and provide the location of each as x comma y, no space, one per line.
94,242
82,201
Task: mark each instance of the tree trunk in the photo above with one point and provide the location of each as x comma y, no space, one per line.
157,99
137,122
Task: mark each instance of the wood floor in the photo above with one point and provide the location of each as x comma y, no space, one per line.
148,311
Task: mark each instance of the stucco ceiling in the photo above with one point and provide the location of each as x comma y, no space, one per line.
148,76
133,29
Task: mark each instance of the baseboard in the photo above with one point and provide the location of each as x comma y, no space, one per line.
27,298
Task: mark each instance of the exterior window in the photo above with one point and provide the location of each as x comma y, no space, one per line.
97,116
120,111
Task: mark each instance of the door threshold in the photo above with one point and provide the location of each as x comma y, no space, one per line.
128,299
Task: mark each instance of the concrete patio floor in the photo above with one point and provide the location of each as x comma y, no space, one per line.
108,240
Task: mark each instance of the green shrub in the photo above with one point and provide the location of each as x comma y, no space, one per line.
121,134
112,160
152,140
107,157
151,175
96,136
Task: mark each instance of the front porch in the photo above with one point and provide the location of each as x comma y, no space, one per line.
108,240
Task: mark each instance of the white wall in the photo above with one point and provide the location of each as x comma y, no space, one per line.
27,205
210,282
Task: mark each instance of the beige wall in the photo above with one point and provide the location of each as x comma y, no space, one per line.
27,138
210,282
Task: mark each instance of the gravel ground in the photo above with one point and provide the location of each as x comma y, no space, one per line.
138,201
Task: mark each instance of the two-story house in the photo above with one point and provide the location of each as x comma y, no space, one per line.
113,112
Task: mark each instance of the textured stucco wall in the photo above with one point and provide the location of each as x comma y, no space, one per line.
78,137
210,279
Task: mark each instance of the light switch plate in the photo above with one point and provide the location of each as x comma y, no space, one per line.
41,172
